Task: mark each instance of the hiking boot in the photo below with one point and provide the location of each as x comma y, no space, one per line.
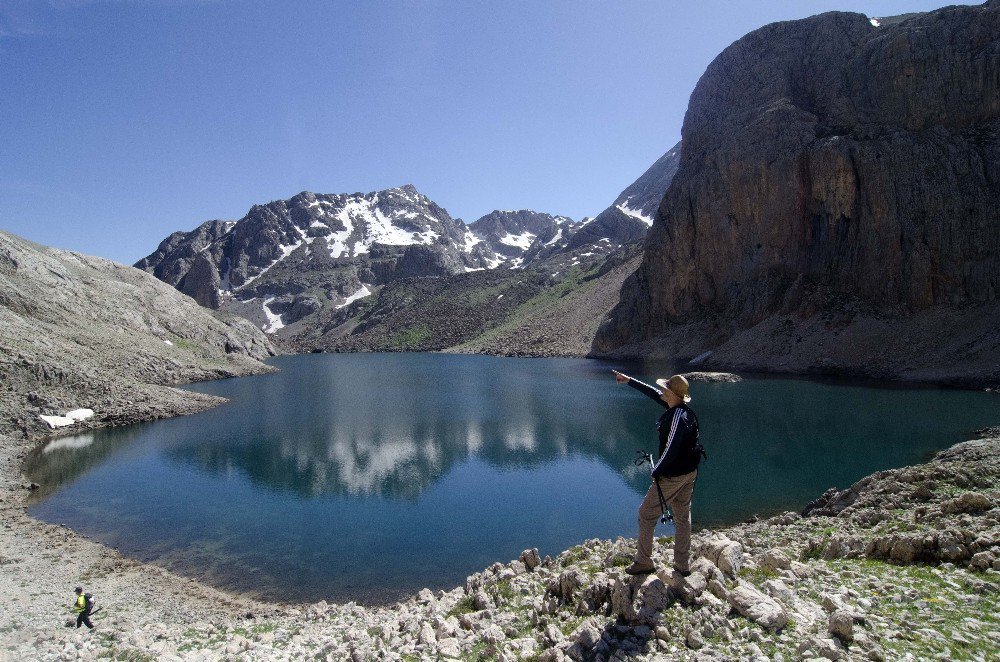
636,569
682,573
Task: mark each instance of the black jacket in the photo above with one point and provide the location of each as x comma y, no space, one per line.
678,431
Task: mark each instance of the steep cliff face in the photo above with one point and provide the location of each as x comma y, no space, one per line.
825,161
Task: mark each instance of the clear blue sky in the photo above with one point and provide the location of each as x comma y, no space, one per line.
124,120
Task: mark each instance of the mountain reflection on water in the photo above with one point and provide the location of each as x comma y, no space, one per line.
422,468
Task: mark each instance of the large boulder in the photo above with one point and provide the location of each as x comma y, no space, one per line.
758,607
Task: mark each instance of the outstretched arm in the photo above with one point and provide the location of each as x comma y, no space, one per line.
643,388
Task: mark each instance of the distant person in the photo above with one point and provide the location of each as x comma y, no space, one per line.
673,472
84,606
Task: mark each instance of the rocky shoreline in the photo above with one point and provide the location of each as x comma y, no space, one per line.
905,561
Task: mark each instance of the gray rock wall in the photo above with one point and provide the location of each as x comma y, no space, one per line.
828,160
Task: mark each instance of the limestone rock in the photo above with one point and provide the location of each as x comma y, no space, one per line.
830,649
139,336
982,561
723,552
427,636
841,625
587,634
530,558
706,568
968,502
718,589
568,582
694,640
775,560
831,171
449,648
688,588
482,600
757,607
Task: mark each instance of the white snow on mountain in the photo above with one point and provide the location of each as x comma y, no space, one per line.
360,294
274,321
285,251
556,238
634,213
522,241
376,228
470,240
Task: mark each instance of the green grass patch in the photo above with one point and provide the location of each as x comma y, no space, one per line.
940,620
126,655
571,624
409,338
502,592
465,605
532,307
620,560
757,575
476,653
574,555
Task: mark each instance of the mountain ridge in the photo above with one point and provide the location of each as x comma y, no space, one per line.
291,264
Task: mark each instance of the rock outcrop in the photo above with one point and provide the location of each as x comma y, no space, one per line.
836,174
83,332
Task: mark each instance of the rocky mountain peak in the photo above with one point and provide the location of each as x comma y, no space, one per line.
825,161
510,234
288,259
631,215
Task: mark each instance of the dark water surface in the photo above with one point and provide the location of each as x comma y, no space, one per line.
369,476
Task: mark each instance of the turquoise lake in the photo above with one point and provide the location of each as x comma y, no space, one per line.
367,477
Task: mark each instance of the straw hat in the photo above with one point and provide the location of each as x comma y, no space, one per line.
677,385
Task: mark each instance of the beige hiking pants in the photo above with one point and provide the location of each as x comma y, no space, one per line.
677,493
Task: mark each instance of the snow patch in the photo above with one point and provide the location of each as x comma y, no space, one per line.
634,213
522,241
274,321
285,252
376,228
470,240
56,421
875,22
360,294
69,418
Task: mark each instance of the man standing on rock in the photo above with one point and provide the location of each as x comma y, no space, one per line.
673,473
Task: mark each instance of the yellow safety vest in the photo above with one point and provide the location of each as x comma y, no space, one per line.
81,604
